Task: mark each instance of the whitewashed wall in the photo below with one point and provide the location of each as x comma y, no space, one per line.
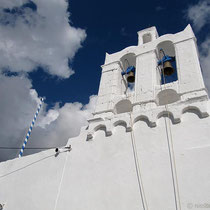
100,174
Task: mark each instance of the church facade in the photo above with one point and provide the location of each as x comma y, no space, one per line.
147,146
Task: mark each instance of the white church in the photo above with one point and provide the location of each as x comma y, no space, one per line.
147,146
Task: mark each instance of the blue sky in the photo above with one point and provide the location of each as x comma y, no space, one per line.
54,49
110,27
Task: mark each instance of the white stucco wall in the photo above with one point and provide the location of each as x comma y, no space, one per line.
100,174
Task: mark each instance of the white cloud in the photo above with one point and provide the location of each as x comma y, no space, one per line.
51,116
12,3
38,37
65,122
17,107
53,127
36,33
199,14
32,36
205,61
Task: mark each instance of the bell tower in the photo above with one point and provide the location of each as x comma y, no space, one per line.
165,70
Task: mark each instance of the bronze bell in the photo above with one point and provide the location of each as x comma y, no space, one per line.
131,77
168,69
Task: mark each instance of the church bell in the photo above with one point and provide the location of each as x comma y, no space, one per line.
131,77
168,69
130,74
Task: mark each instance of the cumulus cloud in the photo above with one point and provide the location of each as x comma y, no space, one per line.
205,61
199,14
53,127
37,33
12,3
60,124
17,105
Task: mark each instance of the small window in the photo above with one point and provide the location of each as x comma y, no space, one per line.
147,38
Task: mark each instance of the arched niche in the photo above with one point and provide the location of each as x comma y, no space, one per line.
166,114
123,106
168,49
147,38
192,109
142,118
99,130
167,96
100,127
128,60
120,123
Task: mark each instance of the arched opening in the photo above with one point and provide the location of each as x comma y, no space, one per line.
194,110
128,62
147,38
123,106
121,123
166,62
166,114
142,118
100,127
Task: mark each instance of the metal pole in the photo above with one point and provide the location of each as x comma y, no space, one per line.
30,128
